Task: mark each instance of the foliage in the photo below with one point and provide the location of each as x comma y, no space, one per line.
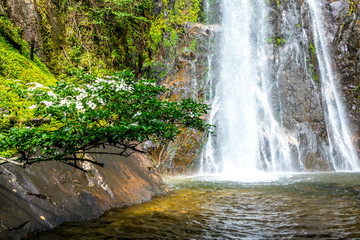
16,66
312,49
117,110
185,11
167,28
107,35
278,41
312,72
11,40
276,3
96,36
127,22
47,44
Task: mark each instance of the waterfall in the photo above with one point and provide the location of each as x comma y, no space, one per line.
342,152
247,104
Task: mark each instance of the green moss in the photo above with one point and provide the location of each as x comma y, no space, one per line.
353,6
159,24
48,46
166,30
174,37
193,45
313,74
185,11
312,49
167,43
278,41
16,68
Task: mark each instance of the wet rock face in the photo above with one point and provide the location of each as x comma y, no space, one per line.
188,69
187,75
296,95
296,91
44,195
345,28
296,70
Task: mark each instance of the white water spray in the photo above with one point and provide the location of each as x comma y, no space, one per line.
249,137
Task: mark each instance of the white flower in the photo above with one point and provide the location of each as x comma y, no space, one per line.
37,85
47,103
33,106
91,105
81,96
52,94
101,101
65,102
137,114
79,106
149,83
121,86
99,80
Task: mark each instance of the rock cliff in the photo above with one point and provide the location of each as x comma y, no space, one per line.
295,73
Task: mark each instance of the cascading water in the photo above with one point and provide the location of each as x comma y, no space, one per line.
247,106
248,136
342,153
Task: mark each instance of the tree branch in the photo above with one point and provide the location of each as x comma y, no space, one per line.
11,160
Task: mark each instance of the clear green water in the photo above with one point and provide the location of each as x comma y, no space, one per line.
322,206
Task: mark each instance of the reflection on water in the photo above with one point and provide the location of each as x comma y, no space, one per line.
323,206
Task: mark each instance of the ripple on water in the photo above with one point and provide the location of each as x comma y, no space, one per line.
325,206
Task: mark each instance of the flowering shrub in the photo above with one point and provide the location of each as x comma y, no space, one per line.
116,110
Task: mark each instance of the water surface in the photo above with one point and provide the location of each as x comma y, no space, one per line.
323,206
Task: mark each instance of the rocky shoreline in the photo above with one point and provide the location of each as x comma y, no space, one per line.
43,196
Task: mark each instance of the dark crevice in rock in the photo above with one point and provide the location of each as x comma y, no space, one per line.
41,196
9,39
19,227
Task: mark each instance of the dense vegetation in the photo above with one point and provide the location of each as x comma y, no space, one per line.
16,66
69,101
116,111
109,35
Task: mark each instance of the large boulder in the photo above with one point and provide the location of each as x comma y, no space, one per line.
44,195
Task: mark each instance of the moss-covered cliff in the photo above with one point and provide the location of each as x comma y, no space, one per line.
102,35
92,36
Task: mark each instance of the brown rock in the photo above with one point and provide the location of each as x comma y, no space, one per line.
44,195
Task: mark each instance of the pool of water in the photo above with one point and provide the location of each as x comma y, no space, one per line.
297,206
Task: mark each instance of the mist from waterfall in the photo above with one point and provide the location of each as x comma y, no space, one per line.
250,136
